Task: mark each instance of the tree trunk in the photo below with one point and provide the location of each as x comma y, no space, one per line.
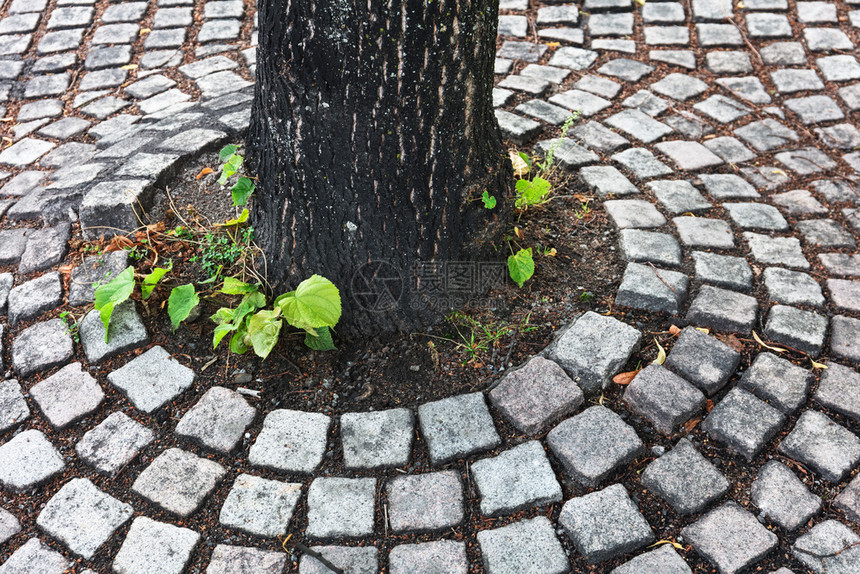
373,138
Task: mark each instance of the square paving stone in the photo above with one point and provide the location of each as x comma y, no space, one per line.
723,270
445,556
647,246
830,449
536,395
663,398
845,294
115,442
13,406
663,560
839,390
815,109
776,250
32,298
766,135
35,556
352,559
679,87
83,517
756,216
727,62
702,360
28,460
9,525
228,559
633,213
730,538
799,202
639,125
829,547
587,104
381,439
729,149
806,161
40,347
516,128
826,39
603,178
789,81
723,310
844,338
41,86
525,547
642,163
782,497
683,58
646,102
425,502
152,379
125,12
516,479
178,481
792,287
218,420
841,264
767,25
848,501
679,196
605,524
291,441
777,381
802,330
95,270
115,34
840,136
652,289
727,186
600,86
172,38
149,542
593,444
722,109
743,423
593,349
67,396
341,507
704,232
667,35
839,68
824,233
618,24
126,332
541,110
568,154
25,152
457,427
685,479
260,506
625,69
214,30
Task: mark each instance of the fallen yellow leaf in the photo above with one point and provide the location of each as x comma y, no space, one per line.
661,542
817,365
661,353
762,343
625,378
129,67
204,171
521,168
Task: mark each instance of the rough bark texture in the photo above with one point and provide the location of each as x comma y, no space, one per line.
373,137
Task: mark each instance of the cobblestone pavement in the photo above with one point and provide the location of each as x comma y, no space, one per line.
719,138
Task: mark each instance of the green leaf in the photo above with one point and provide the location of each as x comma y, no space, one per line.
243,217
242,190
237,343
220,332
525,157
321,341
264,328
489,200
233,286
531,192
315,303
521,266
113,293
180,303
227,151
151,280
230,168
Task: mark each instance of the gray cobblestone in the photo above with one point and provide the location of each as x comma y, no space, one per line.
525,547
830,449
115,442
260,506
426,502
456,427
593,444
783,497
341,507
178,481
152,379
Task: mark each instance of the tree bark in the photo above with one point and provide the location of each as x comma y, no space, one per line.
373,138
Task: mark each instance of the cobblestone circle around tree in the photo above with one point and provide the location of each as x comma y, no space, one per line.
753,103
